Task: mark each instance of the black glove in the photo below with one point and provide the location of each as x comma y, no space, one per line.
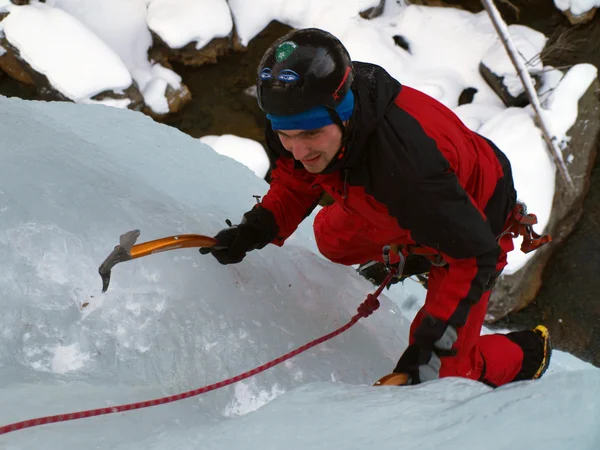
434,338
257,229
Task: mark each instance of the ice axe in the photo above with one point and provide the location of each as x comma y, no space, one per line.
128,249
393,379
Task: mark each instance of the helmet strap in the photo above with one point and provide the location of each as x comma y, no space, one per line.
336,119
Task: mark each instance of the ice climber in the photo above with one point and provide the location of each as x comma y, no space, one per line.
403,171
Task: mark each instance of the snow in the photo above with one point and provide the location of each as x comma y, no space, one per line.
57,45
246,151
156,81
179,22
561,112
577,7
439,63
121,25
123,28
550,79
252,17
73,180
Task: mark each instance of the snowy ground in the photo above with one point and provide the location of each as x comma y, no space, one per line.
73,180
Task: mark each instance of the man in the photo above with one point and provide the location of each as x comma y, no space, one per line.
403,170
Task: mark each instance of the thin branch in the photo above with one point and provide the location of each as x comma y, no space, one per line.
516,9
551,140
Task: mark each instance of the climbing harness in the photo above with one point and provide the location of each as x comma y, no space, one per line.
520,223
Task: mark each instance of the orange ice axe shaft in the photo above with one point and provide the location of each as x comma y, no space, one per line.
128,249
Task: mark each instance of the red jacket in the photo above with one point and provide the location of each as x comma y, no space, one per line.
419,176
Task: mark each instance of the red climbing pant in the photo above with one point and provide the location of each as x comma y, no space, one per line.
494,359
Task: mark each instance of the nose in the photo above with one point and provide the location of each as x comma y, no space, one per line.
299,150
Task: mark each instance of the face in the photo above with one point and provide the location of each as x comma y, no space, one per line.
315,149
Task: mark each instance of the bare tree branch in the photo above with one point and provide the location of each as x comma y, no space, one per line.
512,51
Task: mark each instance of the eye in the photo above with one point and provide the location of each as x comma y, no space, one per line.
288,76
265,74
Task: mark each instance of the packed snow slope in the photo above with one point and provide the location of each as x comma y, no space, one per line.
75,177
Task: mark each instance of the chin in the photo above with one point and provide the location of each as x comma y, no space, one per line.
314,169
317,168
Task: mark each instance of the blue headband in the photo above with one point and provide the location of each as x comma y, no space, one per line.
316,117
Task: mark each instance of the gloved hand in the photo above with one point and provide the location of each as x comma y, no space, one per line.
434,338
256,230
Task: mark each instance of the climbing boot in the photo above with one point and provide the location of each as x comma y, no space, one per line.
537,350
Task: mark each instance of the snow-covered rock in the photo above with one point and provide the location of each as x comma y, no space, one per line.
498,70
64,59
193,32
578,11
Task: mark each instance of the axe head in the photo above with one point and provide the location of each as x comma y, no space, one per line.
120,253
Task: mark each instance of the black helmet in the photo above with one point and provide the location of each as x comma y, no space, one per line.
301,70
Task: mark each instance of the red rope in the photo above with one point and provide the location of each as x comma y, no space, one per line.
365,309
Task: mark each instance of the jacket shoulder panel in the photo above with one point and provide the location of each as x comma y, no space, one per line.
409,174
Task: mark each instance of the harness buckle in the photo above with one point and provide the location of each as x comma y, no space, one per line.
521,224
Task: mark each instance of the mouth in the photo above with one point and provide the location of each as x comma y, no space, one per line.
310,160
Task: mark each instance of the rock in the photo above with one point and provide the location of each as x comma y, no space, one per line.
24,2
8,62
252,91
430,3
12,65
497,83
373,12
582,18
516,291
467,96
401,42
513,10
189,55
177,98
132,93
460,4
